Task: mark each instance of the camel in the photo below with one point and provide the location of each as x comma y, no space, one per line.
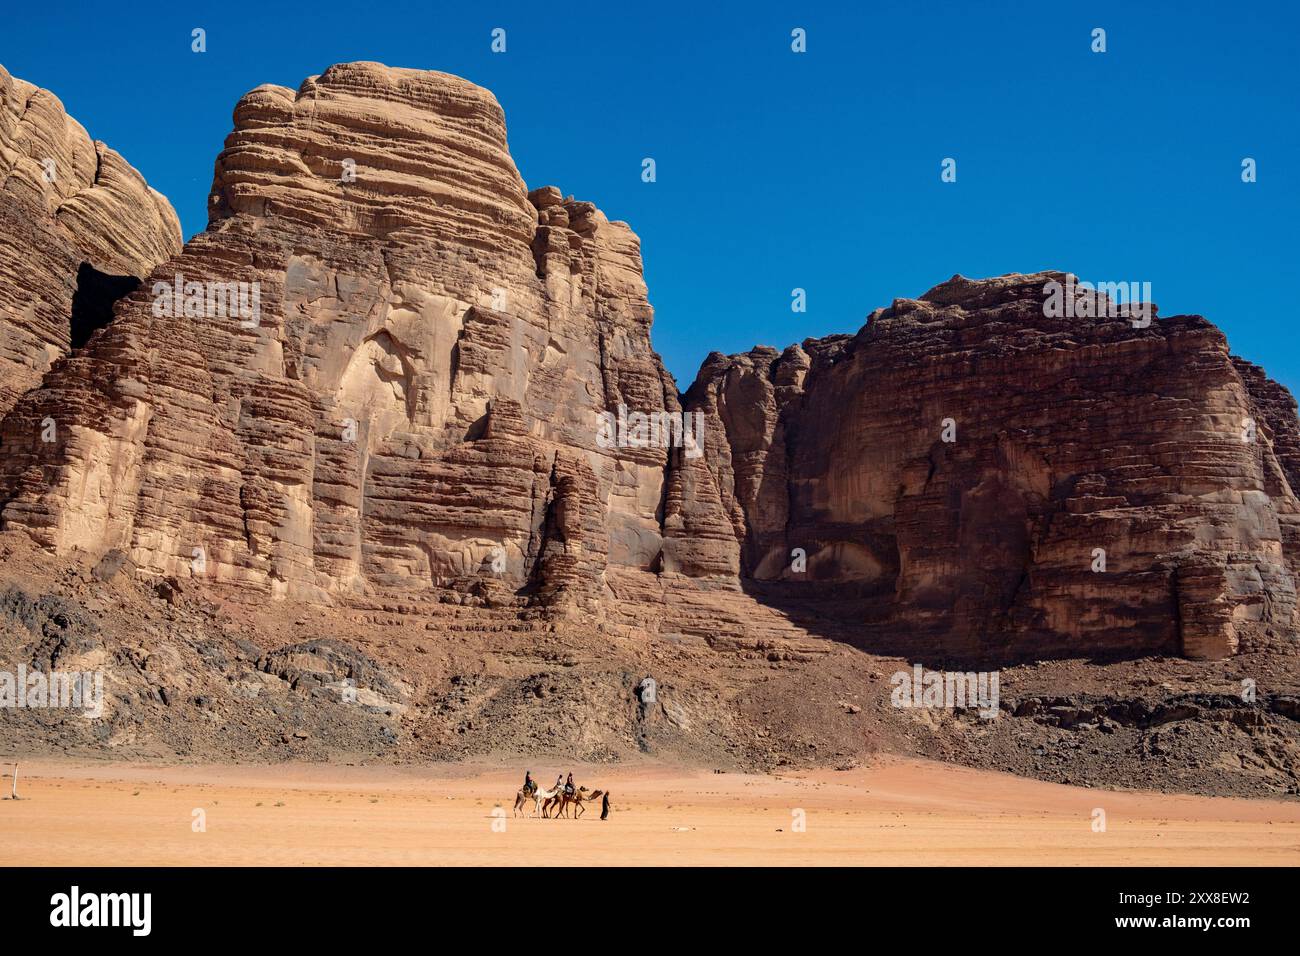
538,795
578,800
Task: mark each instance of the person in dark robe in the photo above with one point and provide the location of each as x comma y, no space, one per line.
604,806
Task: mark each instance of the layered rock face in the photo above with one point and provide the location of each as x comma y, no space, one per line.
382,365
78,228
970,476
386,367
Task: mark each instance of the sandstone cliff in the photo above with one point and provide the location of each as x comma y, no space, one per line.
969,476
78,228
416,402
387,368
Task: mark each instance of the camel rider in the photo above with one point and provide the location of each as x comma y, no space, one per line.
559,783
568,784
529,785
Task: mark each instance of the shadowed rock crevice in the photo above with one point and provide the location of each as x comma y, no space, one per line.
92,303
67,203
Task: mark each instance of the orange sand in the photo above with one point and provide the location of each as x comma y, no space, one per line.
897,812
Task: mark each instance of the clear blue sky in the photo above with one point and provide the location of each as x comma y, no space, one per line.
778,170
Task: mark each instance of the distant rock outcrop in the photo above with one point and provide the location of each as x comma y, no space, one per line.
388,367
971,477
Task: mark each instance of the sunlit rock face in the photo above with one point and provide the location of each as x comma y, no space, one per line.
416,399
387,367
78,228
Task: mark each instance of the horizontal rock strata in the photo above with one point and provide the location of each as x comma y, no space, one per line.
78,228
387,366
968,475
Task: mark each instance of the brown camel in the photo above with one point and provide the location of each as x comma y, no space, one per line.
578,800
555,803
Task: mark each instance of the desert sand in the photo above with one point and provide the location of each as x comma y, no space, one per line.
895,812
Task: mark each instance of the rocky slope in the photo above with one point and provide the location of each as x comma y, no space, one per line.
359,429
216,674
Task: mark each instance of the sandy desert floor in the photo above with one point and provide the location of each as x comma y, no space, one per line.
894,813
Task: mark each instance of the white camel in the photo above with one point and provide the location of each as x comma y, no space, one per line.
539,797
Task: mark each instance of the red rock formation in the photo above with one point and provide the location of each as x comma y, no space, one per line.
1068,436
417,399
78,226
439,390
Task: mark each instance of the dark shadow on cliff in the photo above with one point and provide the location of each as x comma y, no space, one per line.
92,303
866,619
